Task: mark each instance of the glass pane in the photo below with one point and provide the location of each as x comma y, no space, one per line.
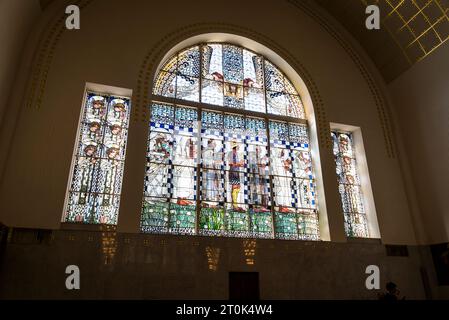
356,225
274,79
160,147
189,62
187,88
308,225
277,103
261,222
233,96
182,217
259,190
213,62
165,84
162,117
212,185
232,64
157,183
252,70
258,160
284,195
254,99
286,225
281,163
212,153
349,184
211,219
237,221
155,215
305,194
94,194
212,92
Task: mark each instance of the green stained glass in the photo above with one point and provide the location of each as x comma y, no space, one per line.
286,225
212,220
182,218
236,221
261,223
155,215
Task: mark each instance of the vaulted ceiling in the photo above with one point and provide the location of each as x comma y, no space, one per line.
410,29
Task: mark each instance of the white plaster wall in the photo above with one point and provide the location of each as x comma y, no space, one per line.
16,20
421,97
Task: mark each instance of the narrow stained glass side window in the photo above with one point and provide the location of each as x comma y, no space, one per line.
95,188
349,185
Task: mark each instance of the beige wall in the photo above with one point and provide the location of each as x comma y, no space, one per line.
421,97
16,19
110,49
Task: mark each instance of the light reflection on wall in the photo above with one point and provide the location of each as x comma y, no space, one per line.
249,250
213,257
108,243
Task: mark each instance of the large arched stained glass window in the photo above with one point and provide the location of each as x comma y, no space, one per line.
228,151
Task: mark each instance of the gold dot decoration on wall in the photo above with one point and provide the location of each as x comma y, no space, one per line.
381,104
43,56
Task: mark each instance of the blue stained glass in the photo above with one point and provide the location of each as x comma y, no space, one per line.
189,62
279,131
298,133
162,113
213,62
274,79
186,117
256,127
234,124
211,120
232,64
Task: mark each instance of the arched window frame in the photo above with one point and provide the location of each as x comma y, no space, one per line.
200,106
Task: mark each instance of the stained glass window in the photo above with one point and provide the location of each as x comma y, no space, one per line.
349,185
94,192
215,169
231,76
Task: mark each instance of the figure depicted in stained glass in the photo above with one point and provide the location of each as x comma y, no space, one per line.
162,147
119,110
97,175
234,175
302,163
98,106
94,128
257,163
349,187
212,176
